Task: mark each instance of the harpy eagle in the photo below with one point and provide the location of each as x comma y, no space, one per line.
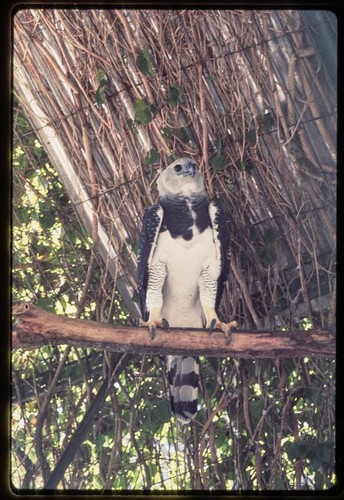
183,265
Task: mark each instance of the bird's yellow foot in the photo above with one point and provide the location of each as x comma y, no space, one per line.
154,324
225,327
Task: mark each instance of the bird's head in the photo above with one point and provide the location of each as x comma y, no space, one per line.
181,178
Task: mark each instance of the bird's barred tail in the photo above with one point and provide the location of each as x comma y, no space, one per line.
183,377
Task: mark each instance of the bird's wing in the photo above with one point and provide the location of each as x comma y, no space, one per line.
151,225
221,238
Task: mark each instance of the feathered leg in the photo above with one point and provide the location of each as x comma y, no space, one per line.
156,280
208,289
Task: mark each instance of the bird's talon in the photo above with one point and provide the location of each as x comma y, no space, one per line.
228,336
153,324
212,326
165,324
225,327
229,332
152,331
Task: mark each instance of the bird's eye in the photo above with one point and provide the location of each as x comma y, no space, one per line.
178,168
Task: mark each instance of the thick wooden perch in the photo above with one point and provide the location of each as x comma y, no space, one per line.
35,327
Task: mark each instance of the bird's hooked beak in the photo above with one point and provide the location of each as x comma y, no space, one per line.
188,168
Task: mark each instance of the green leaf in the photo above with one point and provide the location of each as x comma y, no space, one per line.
100,94
101,76
266,121
256,408
167,133
135,247
174,96
213,365
162,412
144,62
210,78
47,219
220,438
319,453
151,157
144,111
230,184
218,162
267,255
100,439
241,164
132,124
270,236
86,452
172,157
278,483
102,79
46,303
251,136
24,214
183,135
295,450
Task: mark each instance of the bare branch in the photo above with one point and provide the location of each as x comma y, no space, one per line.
35,327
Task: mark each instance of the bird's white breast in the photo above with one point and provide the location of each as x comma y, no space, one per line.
184,260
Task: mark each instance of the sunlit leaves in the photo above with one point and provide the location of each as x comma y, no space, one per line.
42,244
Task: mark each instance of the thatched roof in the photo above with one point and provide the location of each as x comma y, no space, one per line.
114,95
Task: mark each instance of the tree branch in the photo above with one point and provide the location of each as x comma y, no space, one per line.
35,327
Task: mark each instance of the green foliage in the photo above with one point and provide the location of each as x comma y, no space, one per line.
315,454
210,77
266,121
270,236
251,136
267,253
230,184
144,62
218,161
241,165
174,96
167,133
144,111
41,242
102,79
151,157
183,134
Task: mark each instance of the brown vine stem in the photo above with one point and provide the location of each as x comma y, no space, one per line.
204,130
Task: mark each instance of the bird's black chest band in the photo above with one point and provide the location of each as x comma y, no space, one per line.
181,215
